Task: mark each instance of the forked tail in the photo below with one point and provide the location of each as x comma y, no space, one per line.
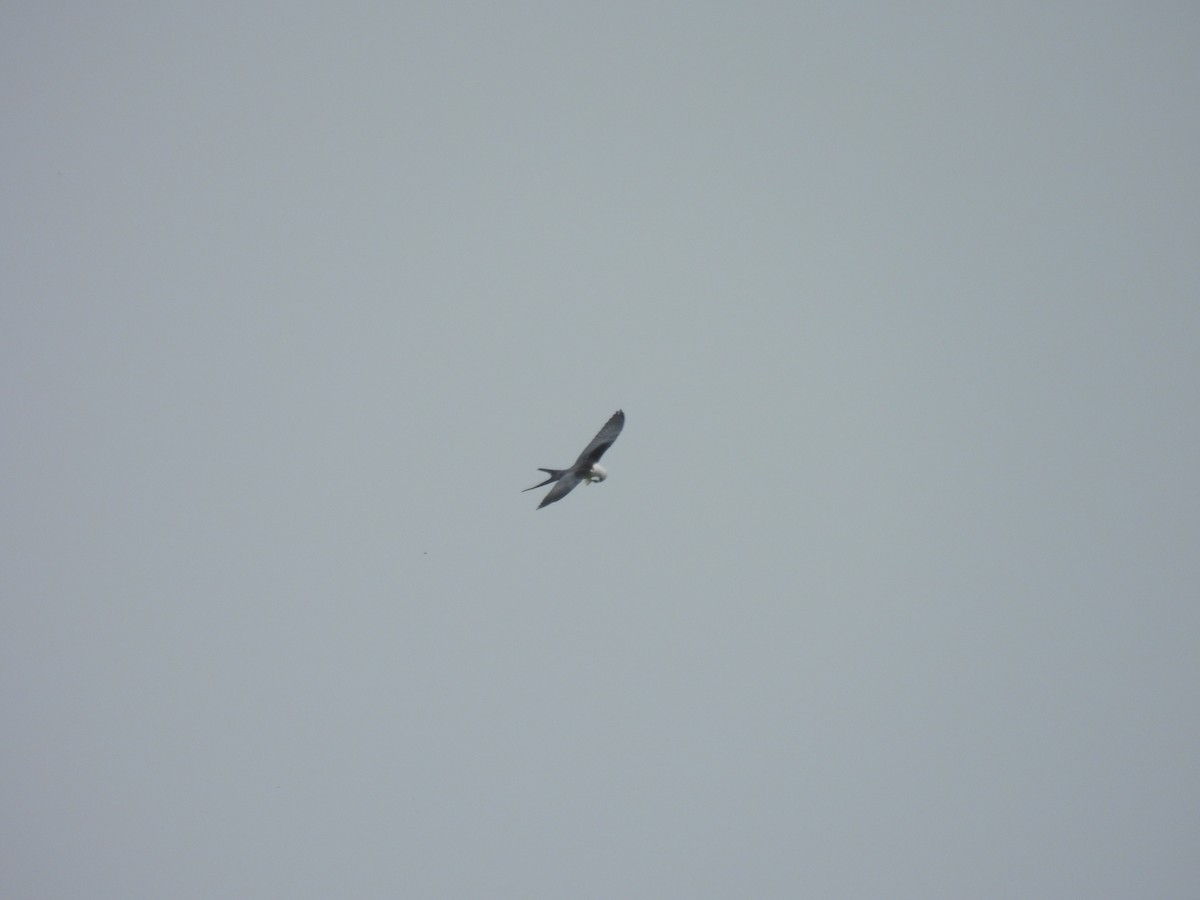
554,474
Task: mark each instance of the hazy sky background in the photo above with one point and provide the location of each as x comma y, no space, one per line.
892,591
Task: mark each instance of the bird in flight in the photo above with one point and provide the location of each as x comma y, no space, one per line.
587,467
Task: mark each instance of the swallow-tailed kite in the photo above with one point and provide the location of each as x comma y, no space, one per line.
587,467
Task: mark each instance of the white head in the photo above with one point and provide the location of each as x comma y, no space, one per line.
597,473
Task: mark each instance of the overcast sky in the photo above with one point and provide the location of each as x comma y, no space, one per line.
892,591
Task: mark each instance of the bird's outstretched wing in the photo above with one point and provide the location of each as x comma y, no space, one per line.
601,442
561,488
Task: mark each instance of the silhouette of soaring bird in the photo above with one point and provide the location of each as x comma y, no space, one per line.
587,467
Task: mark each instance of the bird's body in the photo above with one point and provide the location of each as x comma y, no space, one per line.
587,467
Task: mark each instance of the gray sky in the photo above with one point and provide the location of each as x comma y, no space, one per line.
891,592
